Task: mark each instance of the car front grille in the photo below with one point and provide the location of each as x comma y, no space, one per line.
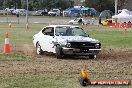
83,45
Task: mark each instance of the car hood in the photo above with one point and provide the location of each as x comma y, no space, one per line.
72,21
75,39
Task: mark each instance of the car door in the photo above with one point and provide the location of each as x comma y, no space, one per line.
48,38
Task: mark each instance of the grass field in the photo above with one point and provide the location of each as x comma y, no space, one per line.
110,37
30,72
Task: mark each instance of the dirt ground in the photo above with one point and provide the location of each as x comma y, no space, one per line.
109,61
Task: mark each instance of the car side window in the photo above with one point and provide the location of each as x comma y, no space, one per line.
48,31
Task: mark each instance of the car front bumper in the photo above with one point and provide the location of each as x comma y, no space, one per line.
80,52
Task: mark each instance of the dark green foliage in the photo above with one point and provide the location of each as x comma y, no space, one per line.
100,5
36,4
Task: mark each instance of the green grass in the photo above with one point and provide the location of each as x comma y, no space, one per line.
17,33
109,37
112,39
14,57
36,81
48,81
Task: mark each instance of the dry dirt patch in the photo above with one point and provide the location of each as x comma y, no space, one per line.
25,49
109,61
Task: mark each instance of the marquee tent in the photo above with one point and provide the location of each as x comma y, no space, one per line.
124,16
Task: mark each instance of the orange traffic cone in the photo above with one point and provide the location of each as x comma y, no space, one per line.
27,27
9,25
6,49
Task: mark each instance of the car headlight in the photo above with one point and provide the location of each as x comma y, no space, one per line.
96,45
68,45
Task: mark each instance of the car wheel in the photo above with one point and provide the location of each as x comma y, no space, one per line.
38,49
92,56
59,52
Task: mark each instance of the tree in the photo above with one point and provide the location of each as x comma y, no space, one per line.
107,4
100,5
38,4
122,3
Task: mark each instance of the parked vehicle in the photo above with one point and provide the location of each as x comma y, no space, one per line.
66,40
19,11
9,11
71,12
107,22
40,13
54,12
76,21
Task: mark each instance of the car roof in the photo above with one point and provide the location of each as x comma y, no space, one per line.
61,26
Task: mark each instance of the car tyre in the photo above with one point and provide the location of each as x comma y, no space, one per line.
92,56
59,52
38,49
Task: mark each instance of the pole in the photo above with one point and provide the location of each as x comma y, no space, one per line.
18,19
4,12
116,4
27,13
7,16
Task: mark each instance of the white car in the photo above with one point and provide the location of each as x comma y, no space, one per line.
38,13
76,21
19,11
54,12
66,40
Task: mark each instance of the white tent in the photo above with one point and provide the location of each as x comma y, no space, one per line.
124,16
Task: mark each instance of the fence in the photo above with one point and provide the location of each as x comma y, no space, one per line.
121,25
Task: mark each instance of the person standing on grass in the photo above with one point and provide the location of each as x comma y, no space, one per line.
80,21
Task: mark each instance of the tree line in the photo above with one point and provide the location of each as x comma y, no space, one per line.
99,5
36,4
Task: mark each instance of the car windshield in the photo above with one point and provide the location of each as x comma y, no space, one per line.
68,31
54,10
77,19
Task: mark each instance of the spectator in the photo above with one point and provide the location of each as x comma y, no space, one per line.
80,21
129,24
99,20
125,24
